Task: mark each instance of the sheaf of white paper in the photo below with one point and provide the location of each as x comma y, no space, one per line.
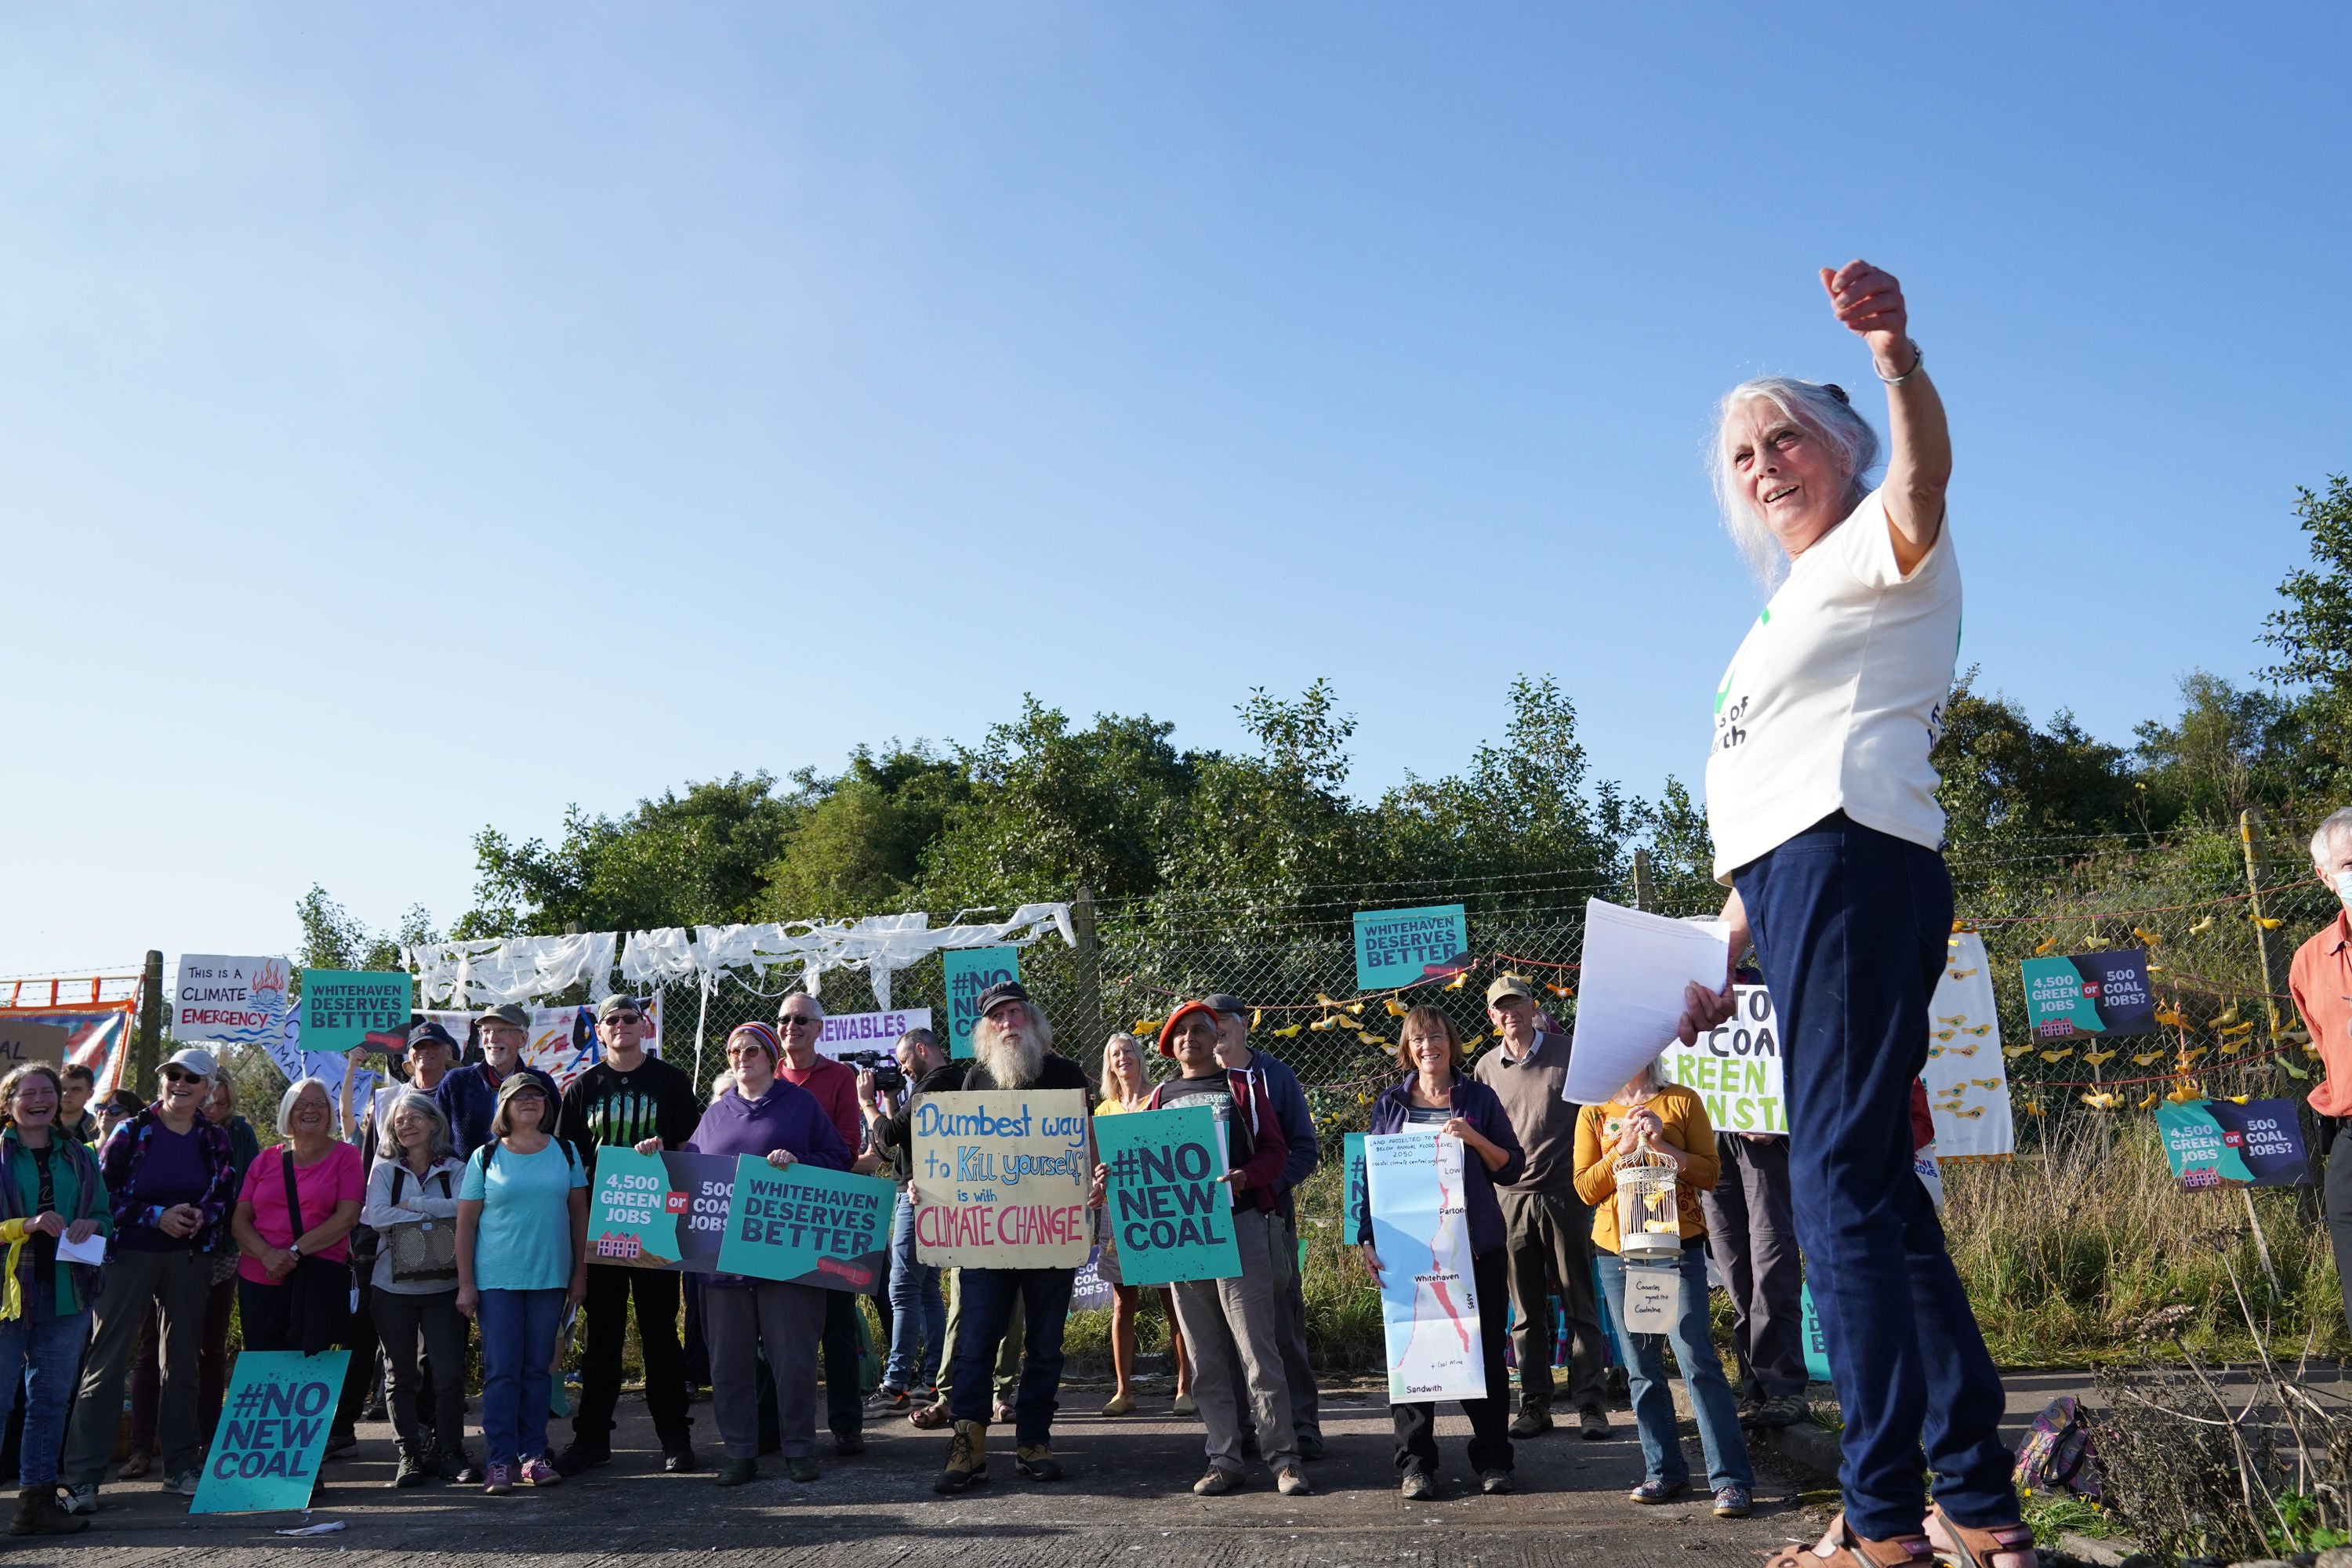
93,1250
1635,969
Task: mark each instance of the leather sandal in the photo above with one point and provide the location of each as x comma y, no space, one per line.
1854,1552
1976,1548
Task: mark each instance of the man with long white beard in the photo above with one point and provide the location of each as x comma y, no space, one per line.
1010,1049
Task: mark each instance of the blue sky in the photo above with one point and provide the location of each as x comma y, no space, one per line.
417,418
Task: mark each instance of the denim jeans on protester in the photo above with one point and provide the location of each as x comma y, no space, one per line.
518,1330
40,1354
919,1308
1851,927
1654,1399
989,1296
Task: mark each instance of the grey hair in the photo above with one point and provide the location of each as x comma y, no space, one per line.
1821,409
722,1086
1038,1025
2323,839
438,1146
294,1092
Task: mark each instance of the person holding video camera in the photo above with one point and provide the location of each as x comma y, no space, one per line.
919,1310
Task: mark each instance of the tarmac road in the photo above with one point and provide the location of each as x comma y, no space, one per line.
1126,1500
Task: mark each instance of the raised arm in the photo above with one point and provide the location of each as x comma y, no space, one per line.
1868,300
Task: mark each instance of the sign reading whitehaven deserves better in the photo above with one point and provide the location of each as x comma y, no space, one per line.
1001,1179
808,1225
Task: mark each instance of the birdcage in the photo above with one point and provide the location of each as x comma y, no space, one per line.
1649,1225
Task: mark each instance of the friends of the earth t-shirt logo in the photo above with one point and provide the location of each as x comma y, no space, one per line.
1729,728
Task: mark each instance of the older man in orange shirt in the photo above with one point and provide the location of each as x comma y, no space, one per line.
2321,979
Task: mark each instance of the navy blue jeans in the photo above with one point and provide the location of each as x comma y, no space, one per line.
1851,927
919,1310
988,1295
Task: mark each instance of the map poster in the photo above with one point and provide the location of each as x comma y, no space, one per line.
2089,993
1352,1205
1400,947
1001,1178
1167,1206
2218,1143
969,973
1428,1301
272,1433
1736,1067
807,1225
659,1211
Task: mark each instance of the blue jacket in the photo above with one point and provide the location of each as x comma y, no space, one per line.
469,1098
1290,1114
1475,1103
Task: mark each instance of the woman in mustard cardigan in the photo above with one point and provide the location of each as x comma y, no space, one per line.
1675,1123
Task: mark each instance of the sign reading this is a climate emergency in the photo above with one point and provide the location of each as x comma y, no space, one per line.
1001,1179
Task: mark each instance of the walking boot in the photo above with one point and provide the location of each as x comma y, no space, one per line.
967,1459
38,1513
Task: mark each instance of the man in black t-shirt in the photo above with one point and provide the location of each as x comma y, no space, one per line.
632,1101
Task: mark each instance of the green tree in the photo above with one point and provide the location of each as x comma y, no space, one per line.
858,846
2313,636
2230,749
2004,780
334,938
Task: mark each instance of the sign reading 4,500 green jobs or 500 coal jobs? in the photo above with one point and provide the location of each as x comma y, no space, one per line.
1001,1178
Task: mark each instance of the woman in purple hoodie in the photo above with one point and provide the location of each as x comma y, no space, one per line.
764,1116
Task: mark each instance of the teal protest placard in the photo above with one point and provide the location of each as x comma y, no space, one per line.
1817,1345
1358,1195
1168,1208
272,1432
2219,1142
808,1225
1398,947
970,972
634,1211
341,1007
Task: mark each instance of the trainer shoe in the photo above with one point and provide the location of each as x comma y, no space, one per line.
82,1499
1592,1422
1417,1487
1291,1481
1496,1483
680,1460
1310,1442
1786,1410
498,1480
735,1472
537,1472
584,1454
1732,1502
1532,1419
1652,1492
1217,1483
185,1483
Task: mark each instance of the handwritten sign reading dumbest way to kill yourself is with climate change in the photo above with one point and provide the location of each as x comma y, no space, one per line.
1001,1179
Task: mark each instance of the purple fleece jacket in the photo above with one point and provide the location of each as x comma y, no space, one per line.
783,1117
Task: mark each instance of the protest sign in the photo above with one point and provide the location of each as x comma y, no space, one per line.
1358,1196
341,1007
808,1225
1968,1084
272,1432
970,972
1429,1300
229,1000
2089,993
659,1211
1001,1178
1089,1291
2218,1143
845,1032
1398,947
97,1036
1167,1209
1817,1347
25,1040
1736,1068
1653,1297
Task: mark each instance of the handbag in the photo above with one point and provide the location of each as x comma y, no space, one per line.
318,1309
422,1251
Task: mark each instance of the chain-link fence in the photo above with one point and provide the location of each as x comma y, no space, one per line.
2219,916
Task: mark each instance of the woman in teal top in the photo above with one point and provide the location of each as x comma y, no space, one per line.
45,1310
522,1259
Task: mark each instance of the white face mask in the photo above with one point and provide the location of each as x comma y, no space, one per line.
2343,881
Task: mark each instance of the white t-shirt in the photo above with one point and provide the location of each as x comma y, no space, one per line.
1836,696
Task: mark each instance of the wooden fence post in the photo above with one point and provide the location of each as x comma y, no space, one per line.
1642,895
145,1055
2274,961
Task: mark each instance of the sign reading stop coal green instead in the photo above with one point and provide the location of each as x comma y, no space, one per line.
341,1007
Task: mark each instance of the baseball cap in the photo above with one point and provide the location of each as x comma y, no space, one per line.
1003,991
195,1062
1504,985
1168,1029
429,1033
1225,1002
513,1013
617,1003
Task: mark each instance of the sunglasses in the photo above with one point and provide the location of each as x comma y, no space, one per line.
789,1019
174,1075
625,1019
